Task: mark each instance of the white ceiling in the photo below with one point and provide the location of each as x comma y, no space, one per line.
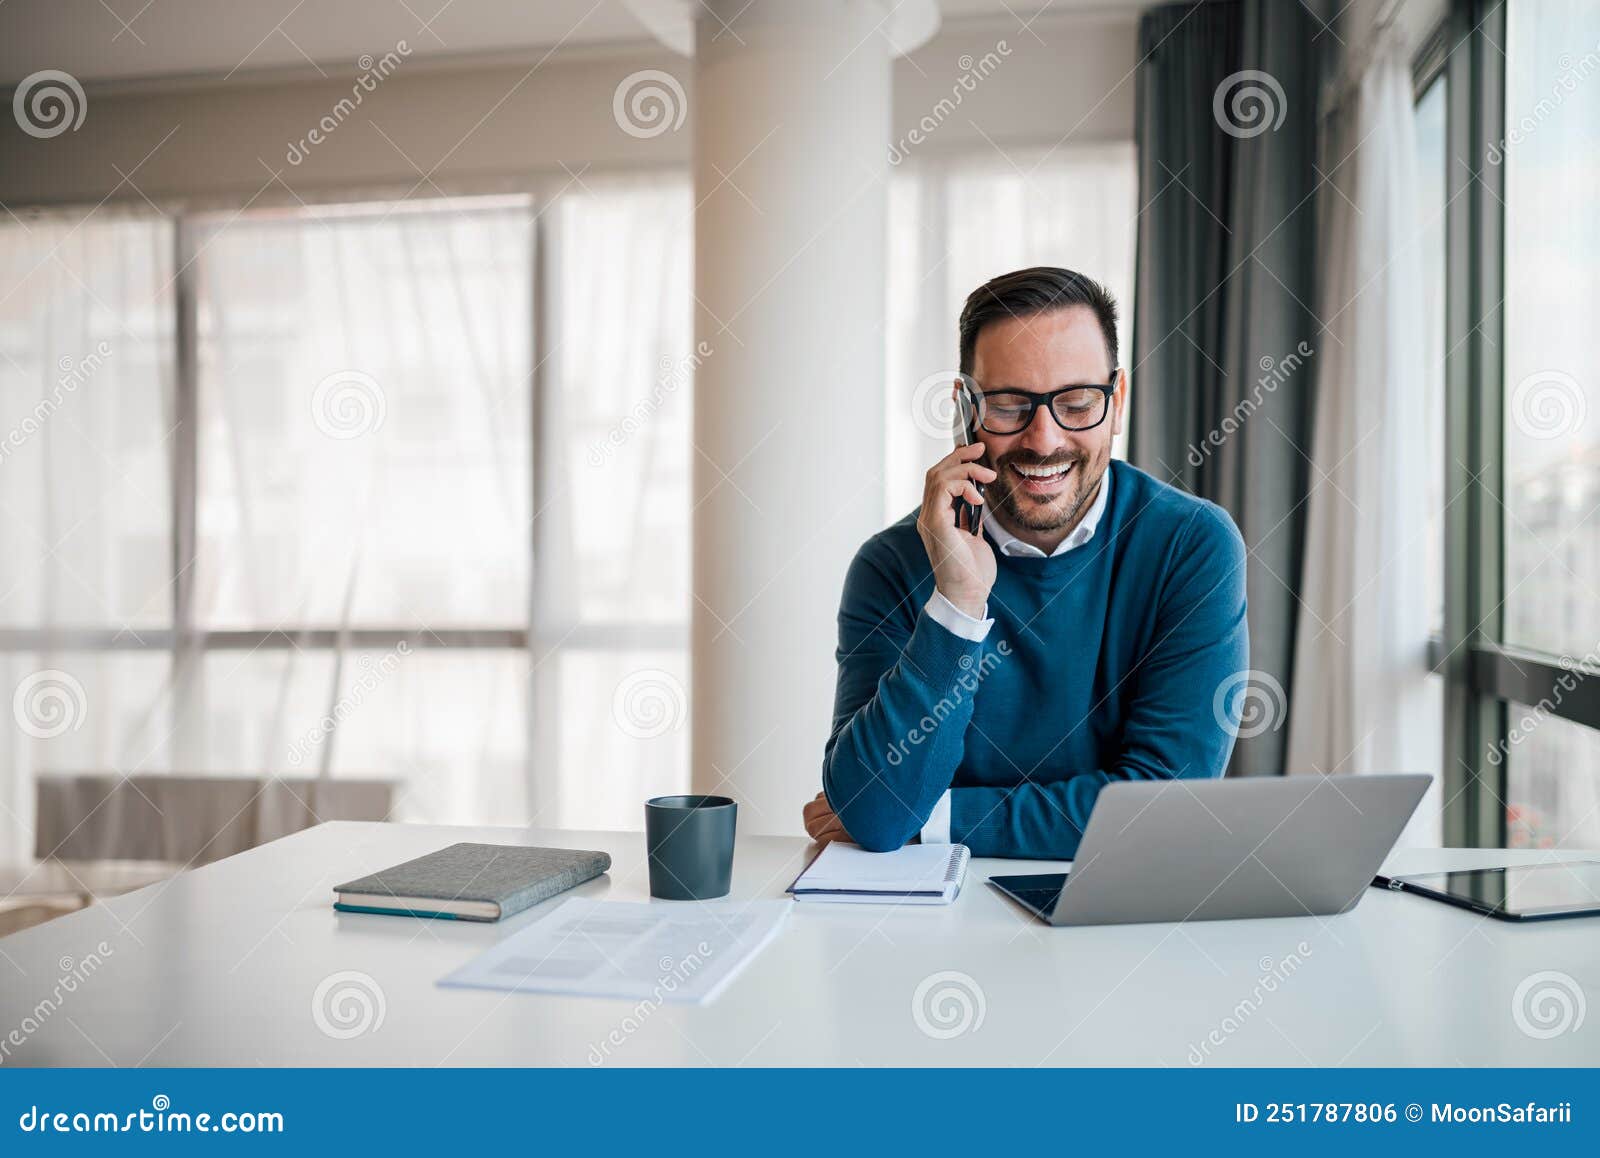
104,40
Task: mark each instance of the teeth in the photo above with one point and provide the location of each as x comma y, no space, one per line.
1041,472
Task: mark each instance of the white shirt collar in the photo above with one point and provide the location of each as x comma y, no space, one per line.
1009,544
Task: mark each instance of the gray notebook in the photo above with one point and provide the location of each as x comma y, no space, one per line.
471,882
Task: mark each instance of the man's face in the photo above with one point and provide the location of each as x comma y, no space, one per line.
1038,354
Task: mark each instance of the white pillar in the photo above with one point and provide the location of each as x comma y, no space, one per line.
791,115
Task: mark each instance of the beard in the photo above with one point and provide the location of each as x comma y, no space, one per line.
1046,512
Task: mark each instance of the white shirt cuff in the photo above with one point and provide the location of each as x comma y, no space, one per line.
937,830
956,621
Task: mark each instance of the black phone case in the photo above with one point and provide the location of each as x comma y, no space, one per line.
969,516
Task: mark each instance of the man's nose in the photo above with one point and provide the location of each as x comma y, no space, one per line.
1043,436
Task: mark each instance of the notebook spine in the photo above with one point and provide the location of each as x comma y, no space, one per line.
958,856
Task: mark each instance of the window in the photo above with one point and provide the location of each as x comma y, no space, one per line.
86,367
363,466
1553,780
1431,209
1521,641
419,454
1552,407
612,664
364,417
625,400
1552,345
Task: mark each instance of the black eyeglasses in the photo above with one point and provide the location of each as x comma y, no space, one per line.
1073,408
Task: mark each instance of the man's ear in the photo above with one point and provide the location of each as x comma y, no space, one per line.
1119,399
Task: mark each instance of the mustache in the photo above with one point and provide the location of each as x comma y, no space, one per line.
1028,458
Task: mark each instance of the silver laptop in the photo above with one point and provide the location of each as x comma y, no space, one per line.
1214,850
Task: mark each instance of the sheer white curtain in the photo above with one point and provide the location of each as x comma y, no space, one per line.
368,555
364,437
610,658
1363,700
370,382
86,365
956,222
364,462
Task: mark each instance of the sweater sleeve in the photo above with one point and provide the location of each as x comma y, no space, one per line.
1173,726
901,708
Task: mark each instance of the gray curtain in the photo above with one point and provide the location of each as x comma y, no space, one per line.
1221,400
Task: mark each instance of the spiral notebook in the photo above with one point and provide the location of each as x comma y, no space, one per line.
918,874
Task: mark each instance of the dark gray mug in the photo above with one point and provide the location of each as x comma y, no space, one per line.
689,842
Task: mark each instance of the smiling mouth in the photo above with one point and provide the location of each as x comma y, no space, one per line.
1040,480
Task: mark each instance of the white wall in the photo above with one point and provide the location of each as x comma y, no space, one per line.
480,121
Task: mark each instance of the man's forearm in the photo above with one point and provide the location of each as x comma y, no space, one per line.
892,759
1027,821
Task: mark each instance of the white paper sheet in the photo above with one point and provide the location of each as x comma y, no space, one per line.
679,951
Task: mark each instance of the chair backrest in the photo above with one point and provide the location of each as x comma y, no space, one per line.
188,820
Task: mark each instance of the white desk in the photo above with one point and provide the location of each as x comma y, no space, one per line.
219,967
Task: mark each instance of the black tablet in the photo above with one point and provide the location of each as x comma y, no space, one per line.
1531,892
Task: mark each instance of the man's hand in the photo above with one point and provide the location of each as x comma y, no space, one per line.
963,564
821,823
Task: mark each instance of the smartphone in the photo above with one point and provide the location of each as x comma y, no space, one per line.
969,516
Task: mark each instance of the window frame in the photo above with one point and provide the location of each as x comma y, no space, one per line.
1483,676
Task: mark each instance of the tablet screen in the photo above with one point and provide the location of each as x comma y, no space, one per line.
1523,890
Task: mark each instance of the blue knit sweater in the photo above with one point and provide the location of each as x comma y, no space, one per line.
1117,660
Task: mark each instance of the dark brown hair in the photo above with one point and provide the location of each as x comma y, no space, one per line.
1040,290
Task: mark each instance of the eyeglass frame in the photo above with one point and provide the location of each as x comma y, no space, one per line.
1046,400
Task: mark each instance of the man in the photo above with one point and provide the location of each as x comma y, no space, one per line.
990,685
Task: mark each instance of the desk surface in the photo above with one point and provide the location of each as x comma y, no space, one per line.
221,966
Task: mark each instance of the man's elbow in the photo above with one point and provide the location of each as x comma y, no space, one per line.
879,833
881,839
875,819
